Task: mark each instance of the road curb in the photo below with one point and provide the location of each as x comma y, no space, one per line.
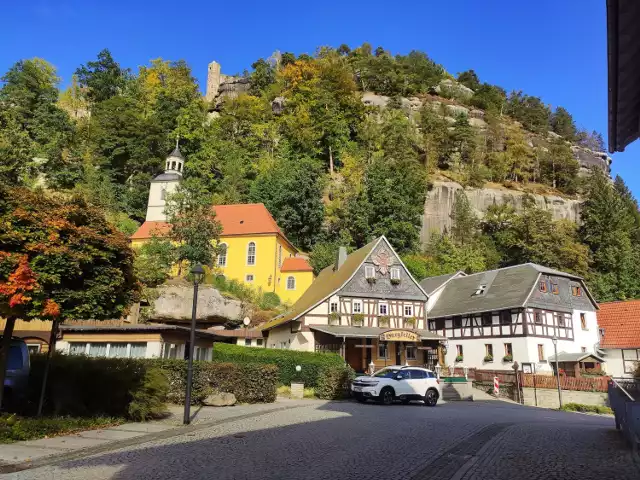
145,438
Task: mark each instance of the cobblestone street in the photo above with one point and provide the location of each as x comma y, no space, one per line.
343,440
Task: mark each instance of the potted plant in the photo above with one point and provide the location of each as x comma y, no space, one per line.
371,280
488,358
357,319
459,358
410,322
383,321
334,318
507,358
395,281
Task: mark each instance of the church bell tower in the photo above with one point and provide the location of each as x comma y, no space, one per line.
164,184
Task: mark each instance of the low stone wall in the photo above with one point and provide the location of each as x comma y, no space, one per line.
507,390
457,391
549,398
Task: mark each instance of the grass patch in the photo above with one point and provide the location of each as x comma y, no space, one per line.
14,428
285,391
581,407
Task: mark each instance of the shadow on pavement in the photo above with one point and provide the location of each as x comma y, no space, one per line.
337,440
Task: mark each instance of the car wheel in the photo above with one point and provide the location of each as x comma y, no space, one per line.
386,396
431,398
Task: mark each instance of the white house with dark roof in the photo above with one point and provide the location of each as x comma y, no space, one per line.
495,318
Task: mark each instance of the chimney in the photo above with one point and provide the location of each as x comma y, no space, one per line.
342,256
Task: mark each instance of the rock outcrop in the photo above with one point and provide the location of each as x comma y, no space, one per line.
440,200
174,304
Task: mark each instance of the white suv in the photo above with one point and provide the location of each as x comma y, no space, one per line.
398,383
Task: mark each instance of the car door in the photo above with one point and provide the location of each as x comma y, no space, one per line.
417,382
402,385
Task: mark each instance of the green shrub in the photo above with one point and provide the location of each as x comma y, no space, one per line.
269,301
147,402
318,371
333,382
581,407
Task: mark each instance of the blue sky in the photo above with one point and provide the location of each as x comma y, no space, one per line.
552,49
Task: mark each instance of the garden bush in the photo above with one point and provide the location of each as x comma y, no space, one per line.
325,372
14,428
139,388
581,407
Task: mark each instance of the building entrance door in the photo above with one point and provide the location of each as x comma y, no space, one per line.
354,354
398,353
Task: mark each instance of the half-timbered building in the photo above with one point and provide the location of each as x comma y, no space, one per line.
495,318
367,307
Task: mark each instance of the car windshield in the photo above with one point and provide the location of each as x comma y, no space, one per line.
386,373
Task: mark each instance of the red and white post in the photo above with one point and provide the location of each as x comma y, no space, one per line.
496,386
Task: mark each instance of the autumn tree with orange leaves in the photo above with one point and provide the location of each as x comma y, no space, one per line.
59,259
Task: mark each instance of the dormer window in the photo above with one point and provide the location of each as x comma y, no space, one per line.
369,272
481,289
554,288
576,290
395,274
543,286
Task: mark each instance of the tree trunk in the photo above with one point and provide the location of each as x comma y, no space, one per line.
45,376
4,352
330,161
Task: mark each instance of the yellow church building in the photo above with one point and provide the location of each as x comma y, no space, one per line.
254,250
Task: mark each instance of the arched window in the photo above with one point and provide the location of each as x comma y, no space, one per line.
179,167
167,165
173,165
291,283
251,253
222,255
163,193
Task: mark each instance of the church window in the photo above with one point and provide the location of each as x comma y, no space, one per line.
251,253
222,255
163,194
291,283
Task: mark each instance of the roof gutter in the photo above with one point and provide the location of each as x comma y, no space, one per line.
612,57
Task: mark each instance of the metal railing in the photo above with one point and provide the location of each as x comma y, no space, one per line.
624,400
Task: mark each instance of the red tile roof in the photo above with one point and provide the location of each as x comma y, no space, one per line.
238,219
621,324
296,264
149,229
238,333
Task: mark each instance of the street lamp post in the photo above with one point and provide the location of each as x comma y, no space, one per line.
198,273
555,352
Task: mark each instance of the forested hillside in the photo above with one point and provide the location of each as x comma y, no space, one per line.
331,169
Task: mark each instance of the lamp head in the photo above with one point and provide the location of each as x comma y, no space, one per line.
246,321
198,273
554,340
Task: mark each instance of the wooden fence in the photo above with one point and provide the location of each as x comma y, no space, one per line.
585,384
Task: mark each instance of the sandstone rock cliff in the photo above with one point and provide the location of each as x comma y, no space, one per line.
174,304
440,200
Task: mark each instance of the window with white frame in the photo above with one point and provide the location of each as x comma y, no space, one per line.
369,271
630,359
291,283
33,348
222,255
395,273
357,306
408,310
109,349
170,350
248,278
383,351
251,253
333,307
411,352
383,309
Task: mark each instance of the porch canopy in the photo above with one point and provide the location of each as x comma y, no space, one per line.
371,332
564,357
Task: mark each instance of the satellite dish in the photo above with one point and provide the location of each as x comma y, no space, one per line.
246,321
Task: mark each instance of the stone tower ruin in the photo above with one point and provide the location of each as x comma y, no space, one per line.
213,81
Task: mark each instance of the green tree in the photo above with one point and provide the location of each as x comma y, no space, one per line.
490,98
469,79
154,260
60,259
530,111
262,77
562,123
103,78
292,191
465,222
194,228
559,168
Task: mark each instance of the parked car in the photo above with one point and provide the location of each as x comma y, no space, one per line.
398,383
17,377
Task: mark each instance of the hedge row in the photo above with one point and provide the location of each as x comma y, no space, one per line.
325,372
139,388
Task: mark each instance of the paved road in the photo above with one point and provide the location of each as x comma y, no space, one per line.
342,440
